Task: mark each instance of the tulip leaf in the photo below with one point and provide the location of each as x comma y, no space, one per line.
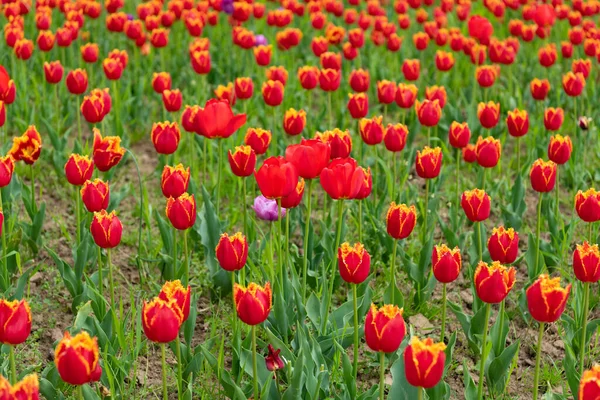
470,388
497,371
313,310
232,390
89,393
347,370
295,388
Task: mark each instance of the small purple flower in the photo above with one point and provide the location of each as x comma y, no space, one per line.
260,40
227,6
129,17
266,209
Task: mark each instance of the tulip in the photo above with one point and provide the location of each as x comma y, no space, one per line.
429,162
232,251
411,69
371,130
174,290
401,220
358,105
429,113
553,118
309,157
503,245
486,75
90,52
174,180
267,209
15,318
329,79
354,263
161,320
446,266
95,195
469,153
543,175
262,54
161,81
45,40
589,385
339,141
308,77
273,92
517,122
253,303
342,179
244,88
113,69
424,363
476,205
444,61
587,205
106,229
165,137
386,92
7,167
23,49
27,147
242,161
53,72
27,389
394,137
539,88
188,118
459,134
359,80
201,62
277,74
293,199
107,151
294,121
77,359
488,151
273,360
406,94
582,66
276,178
172,99
560,149
226,92
181,211
384,328
488,114
92,109
436,93
78,169
216,120
573,83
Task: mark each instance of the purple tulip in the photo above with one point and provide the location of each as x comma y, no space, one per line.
266,209
260,40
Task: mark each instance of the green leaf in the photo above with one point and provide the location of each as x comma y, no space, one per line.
401,389
497,372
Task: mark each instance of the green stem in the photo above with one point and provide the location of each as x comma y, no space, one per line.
360,219
205,156
306,239
186,266
590,233
457,173
219,176
420,393
488,308
179,367
80,392
444,295
479,241
330,110
254,365
173,270
538,233
393,270
355,300
244,206
334,265
233,302
426,213
557,194
110,277
501,322
582,346
279,244
3,234
538,353
33,205
117,110
100,280
518,155
381,374
13,367
164,371
78,112
394,168
78,216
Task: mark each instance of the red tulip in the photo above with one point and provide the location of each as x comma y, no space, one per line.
161,320
476,205
384,328
165,137
400,220
543,175
309,157
424,362
342,178
253,303
216,120
181,211
174,180
107,151
493,282
77,359
276,178
106,229
242,161
78,169
586,262
587,205
546,300
429,162
232,251
446,263
488,151
560,149
15,321
339,141
354,263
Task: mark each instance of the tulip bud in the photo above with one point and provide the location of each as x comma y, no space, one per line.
258,139
469,153
201,62
560,149
546,300
488,151
165,137
588,385
573,83
400,220
273,361
406,95
424,362
587,205
358,105
92,109
173,290
53,72
386,92
459,134
16,321
172,100
553,118
232,251
429,112
262,54
384,328
517,122
488,114
411,69
586,262
113,69
181,211
273,92
493,282
107,151
584,123
7,167
267,209
446,263
444,61
371,130
539,88
188,118
476,205
244,88
294,121
161,320
354,263
486,75
161,81
27,147
329,79
174,180
78,169
503,245
308,77
342,179
543,175
394,137
242,161
429,162
359,80
77,359
106,229
253,303
339,141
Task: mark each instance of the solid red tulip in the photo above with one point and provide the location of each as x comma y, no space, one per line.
293,199
342,179
309,157
276,178
216,119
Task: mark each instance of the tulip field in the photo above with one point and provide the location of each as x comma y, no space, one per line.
299,199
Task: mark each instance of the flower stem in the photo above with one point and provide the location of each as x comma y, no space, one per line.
78,112
254,365
479,241
393,271
457,173
518,155
381,374
360,219
245,208
330,110
13,367
488,308
174,267
80,392
164,371
279,244
306,239
33,205
394,172
78,216
420,393
536,376
100,280
426,213
179,366
355,369
219,176
334,265
582,346
186,266
233,302
117,110
110,277
444,295
501,318
538,232
3,234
